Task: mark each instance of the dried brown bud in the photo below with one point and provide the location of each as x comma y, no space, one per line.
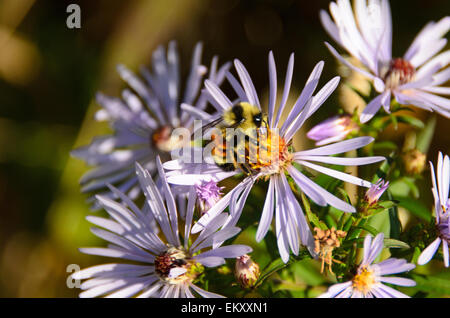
325,242
414,161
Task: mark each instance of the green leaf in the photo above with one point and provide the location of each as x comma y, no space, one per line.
392,243
380,207
425,136
388,145
411,121
402,187
368,228
271,268
415,207
394,121
311,216
432,284
384,168
394,221
278,264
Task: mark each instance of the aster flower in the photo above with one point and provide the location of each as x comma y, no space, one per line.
290,222
442,209
143,121
166,265
369,278
414,78
331,130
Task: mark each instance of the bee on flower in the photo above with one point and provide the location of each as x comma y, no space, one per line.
273,159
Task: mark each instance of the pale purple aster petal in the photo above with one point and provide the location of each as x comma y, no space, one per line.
322,95
211,261
348,64
375,248
367,245
114,253
318,194
297,215
428,253
388,292
170,202
156,204
267,213
230,251
291,226
247,83
272,89
336,289
337,148
237,87
217,208
400,281
336,174
204,293
305,95
106,270
218,95
189,216
279,223
445,253
393,266
372,108
343,161
151,291
286,89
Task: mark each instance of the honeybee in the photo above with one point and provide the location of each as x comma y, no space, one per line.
246,120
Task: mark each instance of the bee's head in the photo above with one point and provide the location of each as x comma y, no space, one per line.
257,120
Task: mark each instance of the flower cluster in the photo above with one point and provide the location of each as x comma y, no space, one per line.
250,174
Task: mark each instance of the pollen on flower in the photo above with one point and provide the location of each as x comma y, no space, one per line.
364,279
171,259
271,153
324,244
398,72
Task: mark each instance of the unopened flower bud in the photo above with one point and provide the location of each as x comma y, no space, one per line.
208,193
414,161
332,130
376,190
246,271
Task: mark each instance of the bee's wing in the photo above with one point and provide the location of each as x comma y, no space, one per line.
209,125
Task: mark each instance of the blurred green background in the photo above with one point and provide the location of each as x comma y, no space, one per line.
49,75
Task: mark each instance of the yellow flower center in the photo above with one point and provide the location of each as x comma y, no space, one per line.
175,258
163,139
272,153
364,280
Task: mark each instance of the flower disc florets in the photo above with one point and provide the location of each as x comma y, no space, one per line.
163,139
398,72
364,279
175,266
272,154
